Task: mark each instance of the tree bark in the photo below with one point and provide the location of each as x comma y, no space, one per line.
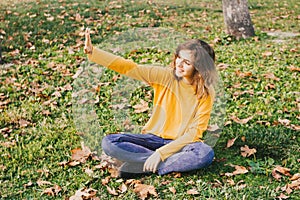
237,18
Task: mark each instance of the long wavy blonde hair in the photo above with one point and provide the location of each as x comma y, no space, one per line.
203,60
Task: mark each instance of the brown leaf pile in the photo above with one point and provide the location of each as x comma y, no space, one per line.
79,155
277,173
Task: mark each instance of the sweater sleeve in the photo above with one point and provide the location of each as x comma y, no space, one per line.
148,74
194,131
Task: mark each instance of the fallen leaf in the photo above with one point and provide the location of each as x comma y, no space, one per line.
242,186
271,76
267,53
84,193
106,180
141,107
243,74
8,144
48,191
238,170
213,128
89,171
143,190
112,191
24,123
172,189
230,142
81,154
241,121
52,191
132,182
284,121
282,170
28,184
73,163
50,19
246,151
192,192
222,66
295,177
41,183
287,189
114,172
293,68
243,138
217,183
176,174
123,188
230,182
282,196
295,184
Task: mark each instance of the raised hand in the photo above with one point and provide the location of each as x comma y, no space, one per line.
88,47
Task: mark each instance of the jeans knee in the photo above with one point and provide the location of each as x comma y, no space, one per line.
106,143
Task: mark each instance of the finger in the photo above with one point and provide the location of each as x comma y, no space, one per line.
88,44
154,167
145,166
87,35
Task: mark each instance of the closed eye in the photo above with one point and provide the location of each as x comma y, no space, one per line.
184,60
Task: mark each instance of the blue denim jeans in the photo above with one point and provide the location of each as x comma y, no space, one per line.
136,148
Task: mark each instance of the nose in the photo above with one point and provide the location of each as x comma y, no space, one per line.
179,62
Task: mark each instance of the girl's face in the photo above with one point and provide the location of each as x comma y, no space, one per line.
183,65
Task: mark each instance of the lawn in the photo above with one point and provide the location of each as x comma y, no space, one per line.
52,99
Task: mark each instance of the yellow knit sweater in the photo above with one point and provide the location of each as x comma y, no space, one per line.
177,113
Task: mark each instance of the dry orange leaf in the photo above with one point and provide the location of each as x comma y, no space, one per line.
246,151
243,74
81,154
143,190
230,142
238,170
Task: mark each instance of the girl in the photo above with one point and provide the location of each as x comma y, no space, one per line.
183,98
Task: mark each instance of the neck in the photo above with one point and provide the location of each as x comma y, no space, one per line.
188,81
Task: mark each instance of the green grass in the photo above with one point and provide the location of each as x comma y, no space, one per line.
42,53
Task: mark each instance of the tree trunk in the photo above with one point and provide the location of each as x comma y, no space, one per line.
237,18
